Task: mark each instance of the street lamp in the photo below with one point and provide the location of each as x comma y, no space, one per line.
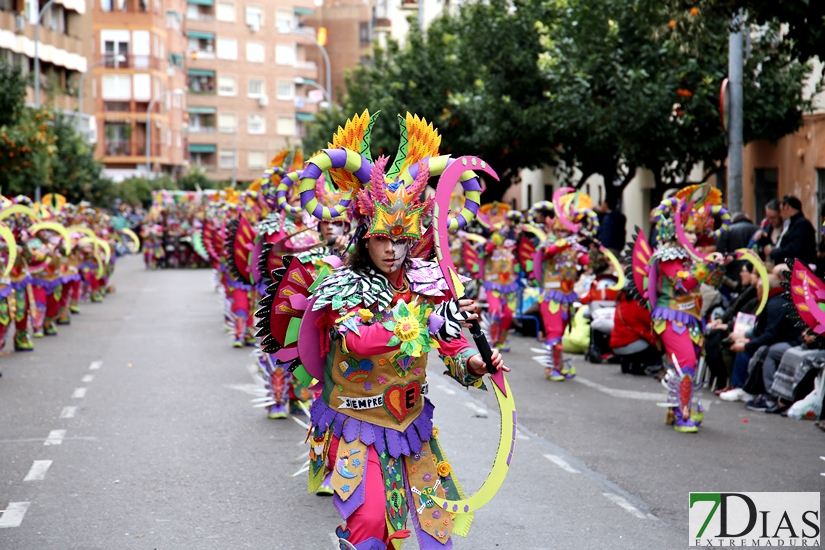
300,81
37,74
120,58
326,60
177,91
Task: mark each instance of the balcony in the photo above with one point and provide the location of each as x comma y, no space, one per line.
116,106
202,129
201,82
118,148
132,62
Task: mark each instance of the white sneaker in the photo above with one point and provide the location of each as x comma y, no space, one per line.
732,395
745,397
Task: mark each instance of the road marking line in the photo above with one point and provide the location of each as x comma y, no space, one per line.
68,412
626,394
621,501
479,410
38,470
520,435
95,365
79,393
561,463
87,378
13,516
55,437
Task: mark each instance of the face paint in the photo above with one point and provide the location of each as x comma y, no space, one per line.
387,255
331,229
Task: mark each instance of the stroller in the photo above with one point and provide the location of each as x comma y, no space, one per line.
601,303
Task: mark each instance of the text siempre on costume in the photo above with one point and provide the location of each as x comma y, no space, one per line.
376,401
754,519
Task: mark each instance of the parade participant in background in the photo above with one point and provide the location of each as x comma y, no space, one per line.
374,320
668,278
19,215
8,255
501,270
569,221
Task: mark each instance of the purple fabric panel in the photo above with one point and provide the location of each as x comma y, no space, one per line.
235,284
393,442
435,322
337,156
559,296
425,540
413,440
504,289
405,445
380,445
363,173
338,428
367,434
356,499
6,291
48,285
674,315
90,265
351,430
312,171
18,285
414,171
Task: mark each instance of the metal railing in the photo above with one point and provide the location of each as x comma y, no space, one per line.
118,148
132,62
202,129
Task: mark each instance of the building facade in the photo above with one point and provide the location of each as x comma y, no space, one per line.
62,50
248,73
139,86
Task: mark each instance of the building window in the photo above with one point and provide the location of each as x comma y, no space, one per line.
286,89
284,20
226,159
227,123
227,48
257,160
254,17
225,11
256,87
227,85
364,32
255,52
112,50
765,188
256,124
284,54
286,126
117,87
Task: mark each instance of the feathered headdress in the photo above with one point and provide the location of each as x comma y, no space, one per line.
387,200
694,208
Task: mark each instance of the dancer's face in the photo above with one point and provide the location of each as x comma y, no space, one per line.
386,254
331,229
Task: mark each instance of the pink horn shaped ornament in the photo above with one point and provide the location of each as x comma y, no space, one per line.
572,227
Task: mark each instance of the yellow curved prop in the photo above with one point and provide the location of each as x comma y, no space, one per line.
135,240
8,236
95,242
57,228
535,231
83,229
506,446
617,266
751,256
18,209
474,237
107,250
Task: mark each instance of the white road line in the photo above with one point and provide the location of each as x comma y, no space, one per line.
79,393
520,435
613,392
481,411
38,470
68,412
87,378
561,463
621,501
55,437
13,516
95,365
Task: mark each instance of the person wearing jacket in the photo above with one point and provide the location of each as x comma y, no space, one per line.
798,238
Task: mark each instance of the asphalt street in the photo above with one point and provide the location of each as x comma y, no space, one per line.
133,429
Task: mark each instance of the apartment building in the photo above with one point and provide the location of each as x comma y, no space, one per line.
139,85
248,81
62,51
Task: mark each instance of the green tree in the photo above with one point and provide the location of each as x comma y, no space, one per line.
138,190
12,93
196,178
77,175
473,75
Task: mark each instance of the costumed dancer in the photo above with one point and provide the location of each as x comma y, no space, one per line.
568,220
8,254
668,279
374,320
19,216
501,270
240,240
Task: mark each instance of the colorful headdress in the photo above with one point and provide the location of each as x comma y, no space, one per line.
492,215
574,212
271,178
698,206
388,200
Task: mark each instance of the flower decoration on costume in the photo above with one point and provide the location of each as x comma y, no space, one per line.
443,468
410,329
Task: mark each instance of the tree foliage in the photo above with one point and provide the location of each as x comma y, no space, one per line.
600,87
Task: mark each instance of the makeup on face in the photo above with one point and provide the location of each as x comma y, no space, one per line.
386,254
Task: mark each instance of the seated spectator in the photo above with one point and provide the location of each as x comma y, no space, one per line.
797,362
737,236
718,358
762,348
632,338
